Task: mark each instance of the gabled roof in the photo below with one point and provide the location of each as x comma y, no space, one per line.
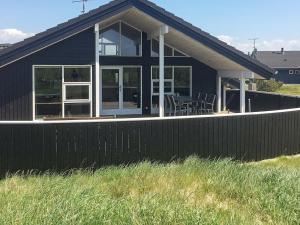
85,21
279,59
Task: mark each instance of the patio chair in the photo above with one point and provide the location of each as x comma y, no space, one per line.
177,107
210,103
199,104
168,106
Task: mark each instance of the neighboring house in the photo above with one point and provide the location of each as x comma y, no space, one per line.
3,46
108,62
286,63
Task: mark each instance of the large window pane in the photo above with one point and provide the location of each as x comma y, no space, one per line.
130,41
168,73
48,91
182,81
110,88
120,39
77,92
49,110
132,88
179,54
73,74
155,49
110,40
77,110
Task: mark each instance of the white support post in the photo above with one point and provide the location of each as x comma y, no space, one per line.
219,92
97,71
163,30
224,98
242,95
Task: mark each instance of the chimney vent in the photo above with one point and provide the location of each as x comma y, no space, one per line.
282,51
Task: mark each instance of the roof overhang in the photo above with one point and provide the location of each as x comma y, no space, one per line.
148,17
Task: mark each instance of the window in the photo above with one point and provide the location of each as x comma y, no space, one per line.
132,87
77,74
62,91
130,41
291,72
155,49
120,39
177,81
297,72
77,92
169,51
110,40
48,92
182,76
168,80
77,110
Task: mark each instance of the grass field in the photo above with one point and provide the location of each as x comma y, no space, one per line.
289,90
193,192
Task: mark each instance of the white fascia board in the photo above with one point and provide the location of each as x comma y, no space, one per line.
236,74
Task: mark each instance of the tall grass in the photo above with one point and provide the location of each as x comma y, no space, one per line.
195,192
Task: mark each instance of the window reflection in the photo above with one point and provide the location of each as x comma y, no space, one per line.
120,39
48,92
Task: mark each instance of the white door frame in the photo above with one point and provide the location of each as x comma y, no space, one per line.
120,110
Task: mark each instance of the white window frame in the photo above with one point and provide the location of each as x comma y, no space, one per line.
173,51
165,80
120,38
291,72
63,86
153,110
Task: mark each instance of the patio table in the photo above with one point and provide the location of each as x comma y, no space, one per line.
184,99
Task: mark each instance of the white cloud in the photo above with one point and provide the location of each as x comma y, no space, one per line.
227,39
13,35
261,45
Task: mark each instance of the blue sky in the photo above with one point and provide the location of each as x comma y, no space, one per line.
275,22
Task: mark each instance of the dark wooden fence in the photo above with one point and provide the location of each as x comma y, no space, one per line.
262,101
64,146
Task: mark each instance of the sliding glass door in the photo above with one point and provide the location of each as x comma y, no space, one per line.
121,90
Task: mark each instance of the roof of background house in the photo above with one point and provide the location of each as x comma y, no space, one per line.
73,26
3,46
279,59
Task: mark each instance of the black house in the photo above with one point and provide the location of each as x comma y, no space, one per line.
286,63
119,59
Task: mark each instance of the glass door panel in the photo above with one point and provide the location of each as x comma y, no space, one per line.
110,89
131,88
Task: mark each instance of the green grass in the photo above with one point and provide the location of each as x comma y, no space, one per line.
289,90
284,161
193,192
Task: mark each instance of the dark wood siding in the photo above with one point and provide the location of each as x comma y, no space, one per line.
16,78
